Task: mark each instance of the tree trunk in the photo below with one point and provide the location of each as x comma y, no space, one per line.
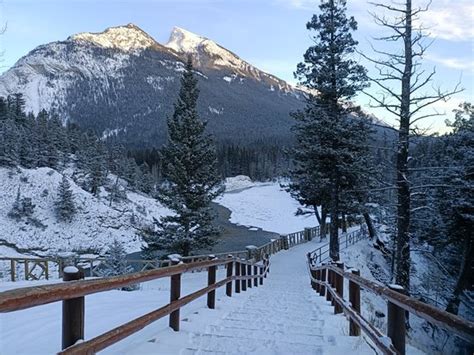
370,226
323,225
465,273
334,228
343,223
402,268
316,213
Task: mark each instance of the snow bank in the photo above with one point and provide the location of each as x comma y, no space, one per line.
239,182
263,205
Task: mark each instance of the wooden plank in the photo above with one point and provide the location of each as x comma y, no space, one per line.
28,297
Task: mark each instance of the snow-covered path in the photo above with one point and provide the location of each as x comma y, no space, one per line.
283,316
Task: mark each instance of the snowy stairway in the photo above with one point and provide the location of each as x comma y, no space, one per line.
284,316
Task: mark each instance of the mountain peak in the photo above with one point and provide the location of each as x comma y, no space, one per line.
126,38
184,41
203,50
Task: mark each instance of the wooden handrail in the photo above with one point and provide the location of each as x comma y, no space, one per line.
373,333
28,297
72,293
113,336
445,320
348,238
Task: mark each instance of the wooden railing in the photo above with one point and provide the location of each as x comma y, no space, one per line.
247,273
51,267
246,269
321,254
328,280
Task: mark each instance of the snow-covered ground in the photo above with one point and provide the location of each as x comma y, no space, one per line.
278,321
264,205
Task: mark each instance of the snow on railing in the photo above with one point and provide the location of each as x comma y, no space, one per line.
328,280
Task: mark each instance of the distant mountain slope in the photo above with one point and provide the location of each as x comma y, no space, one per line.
122,82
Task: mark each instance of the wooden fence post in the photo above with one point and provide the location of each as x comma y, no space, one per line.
354,299
243,271
228,286
284,242
267,258
318,277
12,270
396,326
339,281
237,274
211,280
249,273
313,275
307,234
329,278
175,294
322,289
255,273
27,271
73,311
46,269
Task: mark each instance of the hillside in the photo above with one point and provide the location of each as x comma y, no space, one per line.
92,229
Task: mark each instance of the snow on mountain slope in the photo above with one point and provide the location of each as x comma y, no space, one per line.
209,53
92,229
126,38
46,74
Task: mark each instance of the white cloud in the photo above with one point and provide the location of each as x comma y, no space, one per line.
454,63
450,20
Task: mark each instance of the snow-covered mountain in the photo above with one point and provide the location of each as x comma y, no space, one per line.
123,82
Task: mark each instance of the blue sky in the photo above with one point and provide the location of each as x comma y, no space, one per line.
270,34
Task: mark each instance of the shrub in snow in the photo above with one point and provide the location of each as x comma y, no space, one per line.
22,207
116,264
65,207
117,194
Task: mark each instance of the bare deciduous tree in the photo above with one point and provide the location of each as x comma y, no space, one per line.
404,92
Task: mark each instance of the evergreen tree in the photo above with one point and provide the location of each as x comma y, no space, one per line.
116,264
65,207
191,180
330,153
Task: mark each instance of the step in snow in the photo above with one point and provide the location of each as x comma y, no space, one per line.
241,345
267,335
290,326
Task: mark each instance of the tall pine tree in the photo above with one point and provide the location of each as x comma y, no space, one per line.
191,179
330,153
